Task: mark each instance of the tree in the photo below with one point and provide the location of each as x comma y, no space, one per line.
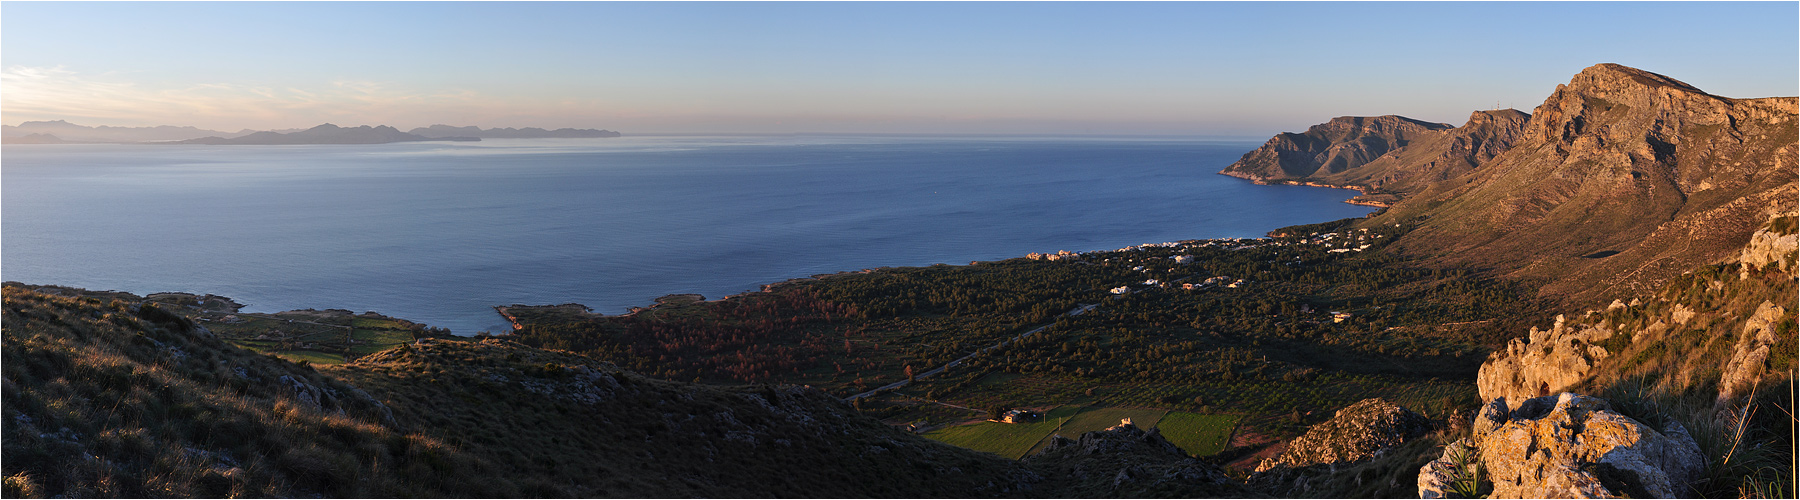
997,411
909,374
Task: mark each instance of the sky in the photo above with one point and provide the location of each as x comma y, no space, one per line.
1223,69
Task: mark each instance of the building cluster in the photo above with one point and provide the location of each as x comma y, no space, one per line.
1020,416
1062,255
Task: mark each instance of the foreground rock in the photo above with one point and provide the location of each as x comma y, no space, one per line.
1570,446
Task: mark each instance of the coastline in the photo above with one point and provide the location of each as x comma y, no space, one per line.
1365,194
1069,206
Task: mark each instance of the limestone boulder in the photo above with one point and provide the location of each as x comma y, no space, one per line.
1571,446
1543,362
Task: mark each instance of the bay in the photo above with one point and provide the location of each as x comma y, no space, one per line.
441,232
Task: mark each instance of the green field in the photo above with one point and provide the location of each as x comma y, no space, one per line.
372,341
1007,440
1019,440
1097,419
1199,435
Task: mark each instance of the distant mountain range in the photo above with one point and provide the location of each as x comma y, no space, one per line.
325,134
63,132
441,131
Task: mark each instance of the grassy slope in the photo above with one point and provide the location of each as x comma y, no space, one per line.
109,398
104,400
1661,368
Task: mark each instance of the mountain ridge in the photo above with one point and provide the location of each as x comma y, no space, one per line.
1621,179
1343,143
324,134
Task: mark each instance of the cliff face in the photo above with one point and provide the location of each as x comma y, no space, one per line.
1620,180
1436,156
1344,143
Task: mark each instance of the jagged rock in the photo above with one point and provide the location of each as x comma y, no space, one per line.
1544,362
1780,246
1745,368
301,391
1574,446
1360,431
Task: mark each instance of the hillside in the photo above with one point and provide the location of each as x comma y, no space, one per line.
1620,180
1344,143
111,395
70,132
1712,352
1430,158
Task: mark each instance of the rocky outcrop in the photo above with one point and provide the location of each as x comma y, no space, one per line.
1775,244
1344,143
1569,446
1544,362
1744,311
1619,181
1357,432
1746,367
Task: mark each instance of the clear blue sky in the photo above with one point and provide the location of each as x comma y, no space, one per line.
1207,68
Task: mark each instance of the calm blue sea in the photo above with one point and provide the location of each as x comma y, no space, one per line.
441,232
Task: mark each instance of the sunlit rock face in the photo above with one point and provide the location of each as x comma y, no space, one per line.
1571,446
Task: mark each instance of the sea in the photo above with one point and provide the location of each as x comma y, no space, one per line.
441,232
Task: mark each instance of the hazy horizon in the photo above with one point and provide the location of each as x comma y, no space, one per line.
1216,69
